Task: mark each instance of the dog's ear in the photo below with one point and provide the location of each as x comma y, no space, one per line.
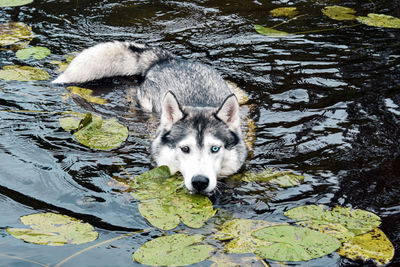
171,111
228,112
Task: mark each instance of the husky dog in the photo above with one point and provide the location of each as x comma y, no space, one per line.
199,132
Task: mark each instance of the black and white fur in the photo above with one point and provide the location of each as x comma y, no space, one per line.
199,132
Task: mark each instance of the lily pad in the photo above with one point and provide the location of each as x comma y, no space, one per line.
239,232
62,65
269,31
23,73
164,202
94,132
53,230
234,260
173,250
356,221
339,12
272,176
37,52
373,245
86,94
15,33
290,243
4,3
289,12
380,20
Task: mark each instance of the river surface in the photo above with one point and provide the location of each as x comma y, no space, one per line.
325,104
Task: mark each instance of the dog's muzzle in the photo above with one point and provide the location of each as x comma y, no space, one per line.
200,183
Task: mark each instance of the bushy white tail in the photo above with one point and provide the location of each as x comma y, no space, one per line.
111,59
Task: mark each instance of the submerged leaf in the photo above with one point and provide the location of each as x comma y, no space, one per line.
16,33
173,250
289,12
53,230
357,221
373,245
269,31
37,52
62,65
290,243
234,260
380,20
95,133
4,3
23,73
339,12
86,94
164,204
272,176
239,232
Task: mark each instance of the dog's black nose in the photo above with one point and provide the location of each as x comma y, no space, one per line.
200,182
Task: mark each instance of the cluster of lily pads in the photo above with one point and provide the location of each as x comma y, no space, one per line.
341,13
164,202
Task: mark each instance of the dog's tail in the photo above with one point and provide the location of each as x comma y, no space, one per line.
112,59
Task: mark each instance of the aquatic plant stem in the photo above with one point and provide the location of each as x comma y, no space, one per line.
279,24
325,30
23,259
100,244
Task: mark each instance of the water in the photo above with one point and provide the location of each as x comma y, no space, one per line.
325,104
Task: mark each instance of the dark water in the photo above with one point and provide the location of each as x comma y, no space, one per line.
325,104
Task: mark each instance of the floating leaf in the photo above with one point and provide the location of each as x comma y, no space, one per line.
62,65
239,92
98,133
373,245
53,230
37,52
4,3
173,250
233,260
239,231
164,203
339,12
289,12
16,33
357,221
380,20
269,31
290,243
22,73
86,94
272,176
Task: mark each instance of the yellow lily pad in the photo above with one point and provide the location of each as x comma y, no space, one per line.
53,230
373,246
272,176
380,20
15,33
339,12
23,73
62,65
86,94
173,250
289,12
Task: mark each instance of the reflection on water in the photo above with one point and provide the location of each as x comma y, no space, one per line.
324,104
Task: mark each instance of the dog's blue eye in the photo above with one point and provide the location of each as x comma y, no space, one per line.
185,149
215,149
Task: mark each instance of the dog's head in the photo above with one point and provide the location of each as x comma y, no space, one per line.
202,143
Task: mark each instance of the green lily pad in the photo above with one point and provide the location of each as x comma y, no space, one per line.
94,132
4,3
173,250
239,232
289,12
37,52
380,20
164,202
53,230
373,245
290,243
356,221
86,94
339,12
15,33
22,73
272,176
269,31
